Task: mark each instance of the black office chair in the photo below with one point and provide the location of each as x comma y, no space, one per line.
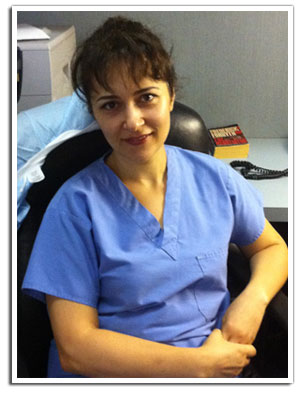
34,332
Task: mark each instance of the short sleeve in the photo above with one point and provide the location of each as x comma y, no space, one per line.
64,261
247,203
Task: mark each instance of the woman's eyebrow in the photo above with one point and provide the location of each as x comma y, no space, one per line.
106,97
145,89
112,96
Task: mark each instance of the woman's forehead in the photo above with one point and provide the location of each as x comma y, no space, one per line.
120,83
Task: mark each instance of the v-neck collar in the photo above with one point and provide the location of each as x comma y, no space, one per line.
165,238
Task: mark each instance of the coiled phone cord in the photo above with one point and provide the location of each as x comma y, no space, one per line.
252,172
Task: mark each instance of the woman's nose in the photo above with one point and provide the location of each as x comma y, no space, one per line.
133,119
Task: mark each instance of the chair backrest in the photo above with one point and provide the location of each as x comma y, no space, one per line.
34,332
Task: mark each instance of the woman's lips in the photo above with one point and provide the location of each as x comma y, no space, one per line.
138,140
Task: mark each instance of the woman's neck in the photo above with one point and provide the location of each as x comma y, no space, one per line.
150,173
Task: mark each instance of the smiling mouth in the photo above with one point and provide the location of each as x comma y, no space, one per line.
139,140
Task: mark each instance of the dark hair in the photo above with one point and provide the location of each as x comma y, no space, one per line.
120,40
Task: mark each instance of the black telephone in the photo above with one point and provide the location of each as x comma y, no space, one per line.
252,172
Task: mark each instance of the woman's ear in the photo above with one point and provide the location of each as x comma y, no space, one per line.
172,102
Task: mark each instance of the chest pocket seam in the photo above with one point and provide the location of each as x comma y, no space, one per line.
213,266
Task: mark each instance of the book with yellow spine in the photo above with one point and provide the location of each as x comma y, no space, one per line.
228,142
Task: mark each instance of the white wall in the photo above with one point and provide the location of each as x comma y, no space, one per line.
232,66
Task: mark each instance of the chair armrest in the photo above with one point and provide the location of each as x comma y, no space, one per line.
22,370
278,308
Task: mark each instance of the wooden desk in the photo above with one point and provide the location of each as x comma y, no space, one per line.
271,154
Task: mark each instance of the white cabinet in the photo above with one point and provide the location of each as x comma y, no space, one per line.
46,74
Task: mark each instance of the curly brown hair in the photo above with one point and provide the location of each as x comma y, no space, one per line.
120,41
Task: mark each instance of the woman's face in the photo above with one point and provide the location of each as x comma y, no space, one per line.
135,119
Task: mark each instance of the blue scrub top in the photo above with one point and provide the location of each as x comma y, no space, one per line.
97,245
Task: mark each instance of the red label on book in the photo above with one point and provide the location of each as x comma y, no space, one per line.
226,136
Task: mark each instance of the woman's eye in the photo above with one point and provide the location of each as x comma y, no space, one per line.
148,97
109,106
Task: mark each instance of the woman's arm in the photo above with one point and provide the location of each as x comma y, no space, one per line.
268,257
87,350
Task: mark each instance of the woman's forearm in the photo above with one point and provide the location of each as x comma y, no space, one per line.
104,353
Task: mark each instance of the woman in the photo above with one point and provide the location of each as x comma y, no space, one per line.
132,251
